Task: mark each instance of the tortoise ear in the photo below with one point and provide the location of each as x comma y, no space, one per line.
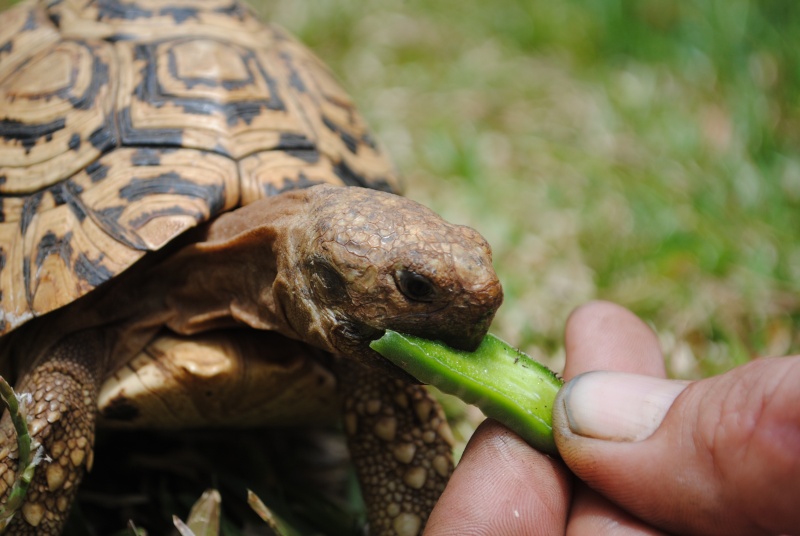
326,282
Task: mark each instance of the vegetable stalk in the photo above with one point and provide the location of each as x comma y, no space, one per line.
506,384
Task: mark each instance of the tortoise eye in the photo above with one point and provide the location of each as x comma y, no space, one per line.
415,286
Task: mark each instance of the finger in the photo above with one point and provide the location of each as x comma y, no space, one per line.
605,336
502,486
592,514
721,456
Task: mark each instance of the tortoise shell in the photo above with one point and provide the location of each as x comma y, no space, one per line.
122,125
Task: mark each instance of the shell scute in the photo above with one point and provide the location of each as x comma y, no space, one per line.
176,96
55,101
150,195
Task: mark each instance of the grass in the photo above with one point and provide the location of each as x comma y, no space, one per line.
644,152
641,152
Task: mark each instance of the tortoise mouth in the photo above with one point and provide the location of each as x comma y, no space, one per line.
393,370
357,332
357,337
376,360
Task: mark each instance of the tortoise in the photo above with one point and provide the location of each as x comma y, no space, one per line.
197,228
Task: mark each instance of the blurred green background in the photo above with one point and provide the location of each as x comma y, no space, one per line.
644,152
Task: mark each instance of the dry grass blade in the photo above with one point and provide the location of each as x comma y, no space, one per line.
264,513
134,530
205,514
181,526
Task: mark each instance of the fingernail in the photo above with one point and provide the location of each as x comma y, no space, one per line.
618,406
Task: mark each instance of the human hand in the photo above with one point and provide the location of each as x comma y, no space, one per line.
717,456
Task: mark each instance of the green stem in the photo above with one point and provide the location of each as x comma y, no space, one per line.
503,382
27,459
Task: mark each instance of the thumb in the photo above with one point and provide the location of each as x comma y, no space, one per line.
718,456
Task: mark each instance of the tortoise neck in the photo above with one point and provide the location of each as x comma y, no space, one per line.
229,278
235,275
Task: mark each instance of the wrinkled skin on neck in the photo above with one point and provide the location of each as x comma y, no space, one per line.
334,267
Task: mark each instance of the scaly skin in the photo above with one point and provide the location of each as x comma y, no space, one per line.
61,414
401,446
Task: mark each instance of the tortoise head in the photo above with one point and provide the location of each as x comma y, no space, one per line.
367,261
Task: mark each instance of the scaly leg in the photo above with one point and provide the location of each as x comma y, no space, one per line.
400,444
61,413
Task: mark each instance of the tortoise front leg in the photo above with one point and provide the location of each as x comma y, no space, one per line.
401,446
61,414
